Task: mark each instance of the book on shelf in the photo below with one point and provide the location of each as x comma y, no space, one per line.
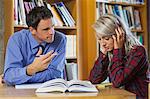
21,12
139,37
137,20
61,85
62,16
129,14
71,71
66,13
15,12
71,46
57,19
123,1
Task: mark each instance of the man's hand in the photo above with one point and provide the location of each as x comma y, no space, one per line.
40,62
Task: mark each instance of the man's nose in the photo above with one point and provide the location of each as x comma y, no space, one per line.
51,31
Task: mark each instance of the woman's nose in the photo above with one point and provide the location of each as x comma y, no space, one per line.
103,42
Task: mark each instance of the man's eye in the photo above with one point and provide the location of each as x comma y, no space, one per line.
46,29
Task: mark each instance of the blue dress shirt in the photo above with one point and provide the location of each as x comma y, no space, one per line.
21,51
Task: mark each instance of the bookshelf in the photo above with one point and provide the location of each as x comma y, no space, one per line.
73,8
84,14
148,7
1,36
89,12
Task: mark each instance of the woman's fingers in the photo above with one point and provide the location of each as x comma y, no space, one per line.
120,33
119,38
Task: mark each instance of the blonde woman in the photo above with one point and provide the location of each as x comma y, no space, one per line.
122,57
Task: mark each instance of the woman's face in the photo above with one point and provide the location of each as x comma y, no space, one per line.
106,42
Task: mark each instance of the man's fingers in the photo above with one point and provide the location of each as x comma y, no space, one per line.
48,59
47,55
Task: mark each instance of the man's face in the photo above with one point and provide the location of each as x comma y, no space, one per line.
44,32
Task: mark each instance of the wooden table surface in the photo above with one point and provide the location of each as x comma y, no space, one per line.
9,92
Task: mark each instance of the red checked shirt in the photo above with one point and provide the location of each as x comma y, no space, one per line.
125,70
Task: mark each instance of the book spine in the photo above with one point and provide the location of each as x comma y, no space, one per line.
60,13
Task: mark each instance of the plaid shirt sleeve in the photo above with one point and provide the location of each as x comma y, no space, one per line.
99,72
124,69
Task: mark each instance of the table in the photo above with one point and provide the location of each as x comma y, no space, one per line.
9,92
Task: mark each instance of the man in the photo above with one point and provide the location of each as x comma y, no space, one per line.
26,61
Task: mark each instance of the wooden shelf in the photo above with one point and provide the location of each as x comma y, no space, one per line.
123,3
64,27
56,27
127,4
72,58
134,30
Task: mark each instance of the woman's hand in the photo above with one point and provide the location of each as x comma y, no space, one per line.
119,38
103,50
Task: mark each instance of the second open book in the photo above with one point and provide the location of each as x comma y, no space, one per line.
61,85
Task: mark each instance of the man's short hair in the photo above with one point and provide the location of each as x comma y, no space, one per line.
36,15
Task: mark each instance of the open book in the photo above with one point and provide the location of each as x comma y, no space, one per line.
56,95
61,85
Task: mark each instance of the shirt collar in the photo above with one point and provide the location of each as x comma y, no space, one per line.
33,41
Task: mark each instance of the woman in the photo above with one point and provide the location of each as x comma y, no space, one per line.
122,57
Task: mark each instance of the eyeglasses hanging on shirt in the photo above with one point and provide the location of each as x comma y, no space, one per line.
43,48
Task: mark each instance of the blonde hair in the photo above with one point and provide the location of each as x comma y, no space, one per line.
106,25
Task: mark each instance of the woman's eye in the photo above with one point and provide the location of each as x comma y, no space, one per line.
106,38
99,39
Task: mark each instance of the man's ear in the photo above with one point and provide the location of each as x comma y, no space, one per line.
32,30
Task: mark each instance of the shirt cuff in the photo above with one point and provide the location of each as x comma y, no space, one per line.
118,54
102,56
24,72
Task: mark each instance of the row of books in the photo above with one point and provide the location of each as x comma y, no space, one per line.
139,37
128,14
62,16
123,1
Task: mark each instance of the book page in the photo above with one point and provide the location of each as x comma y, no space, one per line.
55,85
81,86
28,86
